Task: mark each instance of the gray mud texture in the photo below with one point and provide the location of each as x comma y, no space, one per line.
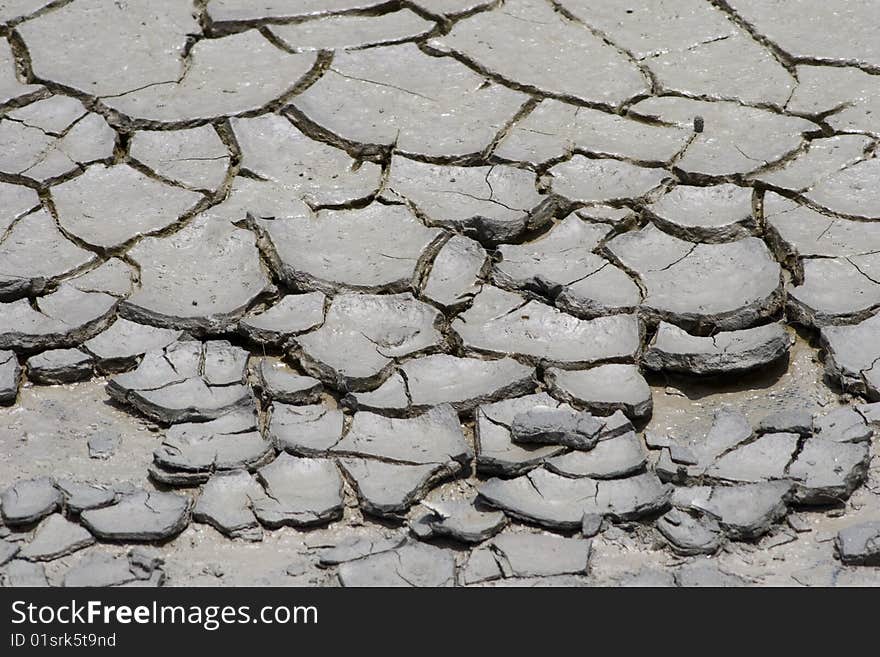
439,293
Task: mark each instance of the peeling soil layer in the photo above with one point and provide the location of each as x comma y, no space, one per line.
439,293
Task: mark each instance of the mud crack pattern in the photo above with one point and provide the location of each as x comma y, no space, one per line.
439,292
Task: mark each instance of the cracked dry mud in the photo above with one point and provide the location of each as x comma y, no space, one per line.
439,293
